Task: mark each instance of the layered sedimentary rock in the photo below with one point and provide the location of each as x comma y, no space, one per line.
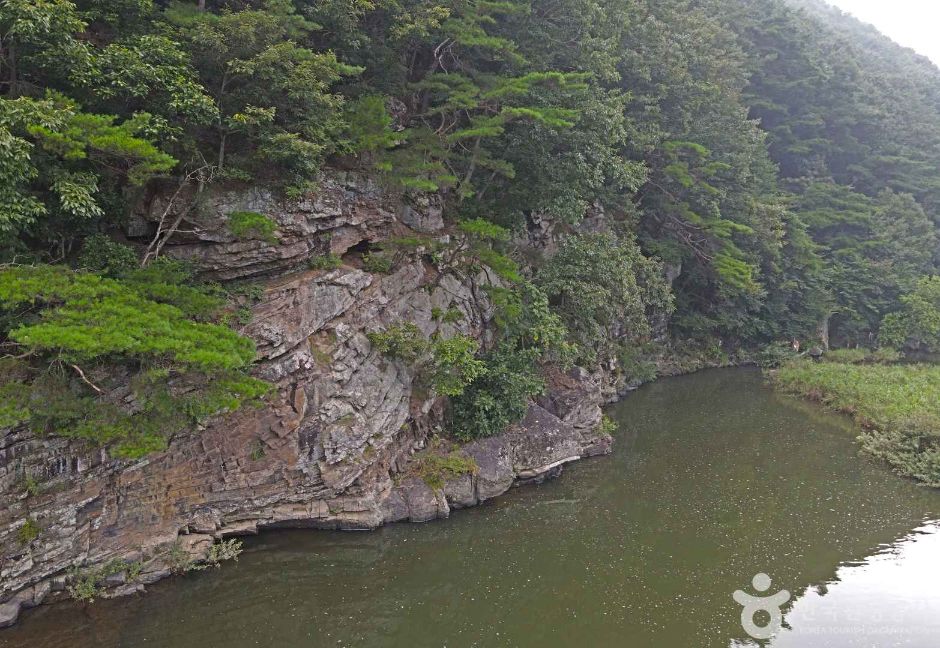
329,449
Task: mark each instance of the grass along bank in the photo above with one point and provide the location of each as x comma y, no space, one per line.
897,407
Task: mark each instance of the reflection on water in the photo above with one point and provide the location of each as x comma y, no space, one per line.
891,598
714,479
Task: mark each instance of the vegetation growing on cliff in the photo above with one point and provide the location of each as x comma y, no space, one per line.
67,328
439,464
447,365
764,169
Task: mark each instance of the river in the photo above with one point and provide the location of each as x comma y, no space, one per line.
714,478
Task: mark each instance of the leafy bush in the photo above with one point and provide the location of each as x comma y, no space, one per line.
436,466
449,316
84,585
525,320
499,397
28,532
325,262
483,230
377,263
103,256
528,333
403,341
220,552
446,365
635,366
246,224
31,485
607,426
454,365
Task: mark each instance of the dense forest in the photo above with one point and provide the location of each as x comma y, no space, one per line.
767,171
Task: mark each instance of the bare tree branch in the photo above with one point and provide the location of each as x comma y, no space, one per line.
81,374
201,175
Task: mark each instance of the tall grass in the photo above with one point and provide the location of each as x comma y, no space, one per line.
897,406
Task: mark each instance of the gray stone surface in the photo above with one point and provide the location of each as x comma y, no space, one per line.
338,434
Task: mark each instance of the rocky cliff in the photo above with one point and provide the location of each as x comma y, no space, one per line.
331,448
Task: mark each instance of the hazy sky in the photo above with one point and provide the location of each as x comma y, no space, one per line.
912,23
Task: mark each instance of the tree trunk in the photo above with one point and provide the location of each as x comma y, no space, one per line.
202,5
11,59
473,165
824,331
222,151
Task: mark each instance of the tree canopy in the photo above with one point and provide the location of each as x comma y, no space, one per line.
766,169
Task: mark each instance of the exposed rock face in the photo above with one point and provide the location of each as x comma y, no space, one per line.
347,209
330,449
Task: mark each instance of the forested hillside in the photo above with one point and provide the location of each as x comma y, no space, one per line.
765,171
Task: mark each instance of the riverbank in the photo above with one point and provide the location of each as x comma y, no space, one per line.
616,547
897,407
562,426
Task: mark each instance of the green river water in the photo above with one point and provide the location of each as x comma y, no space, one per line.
714,478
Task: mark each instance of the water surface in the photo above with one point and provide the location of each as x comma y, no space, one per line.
714,478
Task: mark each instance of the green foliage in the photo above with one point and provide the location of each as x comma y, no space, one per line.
874,250
224,550
56,159
605,290
84,316
152,73
525,321
377,263
277,116
325,262
103,256
67,320
400,342
449,316
180,561
847,356
775,355
635,365
499,397
528,334
28,531
607,426
503,266
918,324
219,552
454,365
247,225
448,365
85,585
780,161
257,451
32,486
482,240
368,126
898,407
436,466
483,230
